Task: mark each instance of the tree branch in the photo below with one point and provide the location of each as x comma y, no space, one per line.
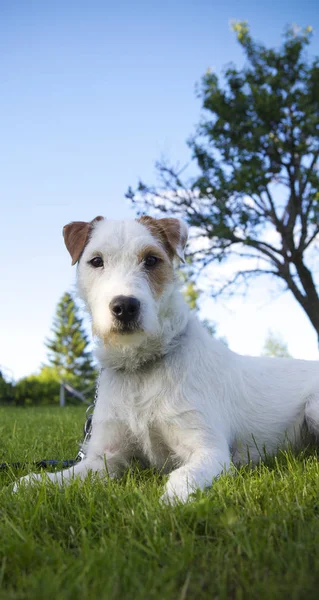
309,171
310,240
276,221
241,277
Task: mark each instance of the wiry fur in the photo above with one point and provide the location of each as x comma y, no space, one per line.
169,393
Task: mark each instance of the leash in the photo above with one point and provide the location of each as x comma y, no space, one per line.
87,430
40,464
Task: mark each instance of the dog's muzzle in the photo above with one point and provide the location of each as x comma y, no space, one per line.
126,311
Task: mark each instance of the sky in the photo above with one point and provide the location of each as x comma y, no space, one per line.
92,94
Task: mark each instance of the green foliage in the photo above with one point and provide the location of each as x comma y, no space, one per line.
257,151
6,391
252,535
69,354
37,390
275,346
192,295
70,362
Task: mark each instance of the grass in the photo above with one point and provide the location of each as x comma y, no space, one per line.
255,535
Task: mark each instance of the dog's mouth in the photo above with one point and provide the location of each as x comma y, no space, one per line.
126,328
118,331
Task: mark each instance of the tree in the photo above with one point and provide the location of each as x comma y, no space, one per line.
6,390
256,196
192,294
69,355
275,346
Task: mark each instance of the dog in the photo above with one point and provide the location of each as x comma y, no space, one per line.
170,394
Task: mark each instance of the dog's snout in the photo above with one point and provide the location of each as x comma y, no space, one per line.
125,308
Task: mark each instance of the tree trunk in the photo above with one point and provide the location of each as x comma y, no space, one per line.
310,300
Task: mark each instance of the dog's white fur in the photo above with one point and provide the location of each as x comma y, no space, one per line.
170,394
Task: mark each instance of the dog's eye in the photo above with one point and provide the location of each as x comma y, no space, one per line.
96,262
150,261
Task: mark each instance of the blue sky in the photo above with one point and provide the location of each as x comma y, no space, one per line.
92,94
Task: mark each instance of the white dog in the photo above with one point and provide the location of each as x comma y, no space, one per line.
169,393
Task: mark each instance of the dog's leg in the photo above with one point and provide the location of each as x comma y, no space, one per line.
312,413
108,464
198,472
104,457
79,470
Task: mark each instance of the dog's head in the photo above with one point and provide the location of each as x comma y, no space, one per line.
126,273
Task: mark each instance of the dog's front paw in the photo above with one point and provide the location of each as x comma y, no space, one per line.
30,479
177,489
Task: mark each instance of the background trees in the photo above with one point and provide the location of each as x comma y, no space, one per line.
275,346
69,354
256,196
70,361
6,390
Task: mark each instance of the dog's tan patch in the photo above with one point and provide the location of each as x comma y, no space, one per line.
151,250
108,338
162,272
167,231
76,236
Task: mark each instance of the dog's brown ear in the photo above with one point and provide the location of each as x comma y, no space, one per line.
176,232
76,236
172,233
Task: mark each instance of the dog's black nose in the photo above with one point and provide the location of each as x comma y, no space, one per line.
125,308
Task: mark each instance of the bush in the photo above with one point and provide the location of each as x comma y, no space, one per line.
32,391
40,389
6,391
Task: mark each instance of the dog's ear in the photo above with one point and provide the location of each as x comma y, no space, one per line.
76,236
176,232
172,233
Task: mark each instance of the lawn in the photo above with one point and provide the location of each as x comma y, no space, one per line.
253,535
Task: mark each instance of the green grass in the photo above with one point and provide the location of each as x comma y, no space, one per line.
255,535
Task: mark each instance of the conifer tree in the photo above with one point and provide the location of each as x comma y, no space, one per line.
69,353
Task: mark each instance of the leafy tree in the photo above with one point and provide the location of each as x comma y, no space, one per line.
256,196
69,355
192,295
275,346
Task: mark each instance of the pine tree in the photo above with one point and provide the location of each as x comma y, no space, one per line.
68,349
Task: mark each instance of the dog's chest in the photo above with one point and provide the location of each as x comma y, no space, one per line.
149,428
146,409
153,448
